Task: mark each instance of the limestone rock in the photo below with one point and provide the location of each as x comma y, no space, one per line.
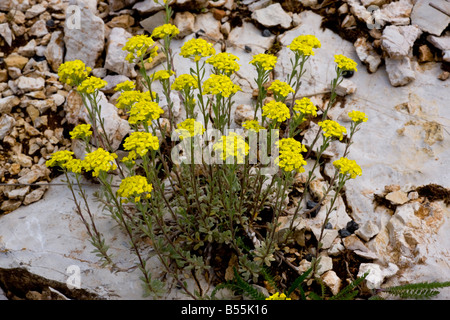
28,50
397,41
6,33
325,264
115,56
116,5
367,54
243,113
346,87
27,84
209,25
6,104
39,29
428,19
6,125
400,71
397,197
377,274
185,23
153,21
332,281
16,60
87,42
273,15
55,51
148,6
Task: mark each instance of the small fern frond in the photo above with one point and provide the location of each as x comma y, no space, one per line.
349,292
298,282
422,290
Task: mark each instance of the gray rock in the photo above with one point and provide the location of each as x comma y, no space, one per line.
397,41
428,19
115,56
87,42
6,33
38,29
6,104
34,11
27,84
6,124
29,49
400,71
55,50
154,21
147,6
273,15
116,5
367,54
185,23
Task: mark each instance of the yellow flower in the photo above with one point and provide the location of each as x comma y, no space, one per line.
189,128
75,165
304,44
73,72
305,107
125,86
220,84
165,30
344,63
141,143
128,98
133,188
144,111
232,145
357,116
276,110
252,125
197,48
348,167
278,296
81,131
131,157
162,74
91,84
59,158
98,161
291,157
137,47
264,60
184,81
225,62
332,129
281,88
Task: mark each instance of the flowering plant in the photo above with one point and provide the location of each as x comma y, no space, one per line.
200,207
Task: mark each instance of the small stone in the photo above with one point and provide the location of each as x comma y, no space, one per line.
345,87
50,24
397,197
123,21
344,233
368,231
19,193
10,205
273,15
6,125
218,13
243,113
444,75
400,71
34,196
425,54
16,60
325,264
27,84
28,50
38,29
24,160
185,23
7,103
352,226
267,33
311,204
34,11
6,33
14,169
332,281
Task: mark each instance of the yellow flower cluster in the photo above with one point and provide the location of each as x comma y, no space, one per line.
134,187
73,72
276,110
128,98
141,143
252,125
348,167
291,157
281,88
162,74
165,30
344,63
59,158
264,60
232,145
75,165
98,161
184,81
304,44
225,62
81,131
91,84
137,47
125,86
305,107
144,111
220,84
357,116
278,296
197,48
189,128
332,129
